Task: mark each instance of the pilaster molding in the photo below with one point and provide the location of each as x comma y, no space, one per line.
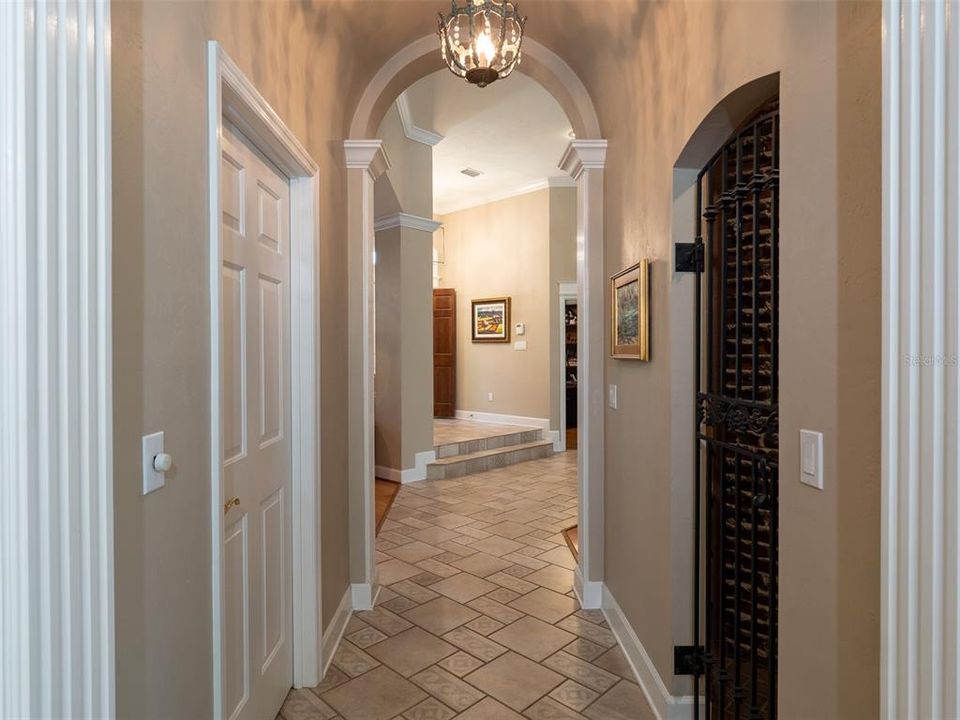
410,129
406,220
370,155
583,155
920,518
56,376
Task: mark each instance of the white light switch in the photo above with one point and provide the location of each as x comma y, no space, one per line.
152,447
490,397
612,396
811,458
520,345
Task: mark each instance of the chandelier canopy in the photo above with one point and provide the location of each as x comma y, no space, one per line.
480,39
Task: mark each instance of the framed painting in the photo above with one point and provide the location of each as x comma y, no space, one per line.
491,320
630,313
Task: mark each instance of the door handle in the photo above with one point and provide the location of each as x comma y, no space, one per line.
232,502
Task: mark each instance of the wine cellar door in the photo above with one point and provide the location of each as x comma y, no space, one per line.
736,510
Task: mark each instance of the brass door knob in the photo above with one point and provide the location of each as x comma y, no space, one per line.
232,502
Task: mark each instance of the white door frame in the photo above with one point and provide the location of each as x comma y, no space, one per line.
567,291
232,97
584,161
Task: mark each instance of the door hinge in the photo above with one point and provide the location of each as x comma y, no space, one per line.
687,660
688,257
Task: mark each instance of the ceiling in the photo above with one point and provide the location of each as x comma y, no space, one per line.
513,132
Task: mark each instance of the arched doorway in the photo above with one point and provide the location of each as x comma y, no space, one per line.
366,159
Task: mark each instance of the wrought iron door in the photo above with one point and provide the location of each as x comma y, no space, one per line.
737,424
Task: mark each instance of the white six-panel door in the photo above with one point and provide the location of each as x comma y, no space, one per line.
257,575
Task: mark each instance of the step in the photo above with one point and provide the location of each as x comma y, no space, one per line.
469,447
489,459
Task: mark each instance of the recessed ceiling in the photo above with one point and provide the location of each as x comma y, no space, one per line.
512,131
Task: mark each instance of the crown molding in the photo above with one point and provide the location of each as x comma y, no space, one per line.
417,134
370,155
477,201
583,155
406,220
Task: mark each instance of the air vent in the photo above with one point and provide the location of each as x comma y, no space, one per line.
470,172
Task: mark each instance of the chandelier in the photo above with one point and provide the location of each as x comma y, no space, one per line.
480,39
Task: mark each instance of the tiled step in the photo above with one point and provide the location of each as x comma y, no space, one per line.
468,447
489,459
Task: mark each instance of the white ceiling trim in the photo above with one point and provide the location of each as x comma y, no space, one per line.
417,134
406,220
478,200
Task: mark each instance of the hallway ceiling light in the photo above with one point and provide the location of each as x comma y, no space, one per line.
480,39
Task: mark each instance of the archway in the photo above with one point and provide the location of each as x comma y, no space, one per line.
583,160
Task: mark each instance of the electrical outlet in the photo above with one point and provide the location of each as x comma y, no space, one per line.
612,396
490,397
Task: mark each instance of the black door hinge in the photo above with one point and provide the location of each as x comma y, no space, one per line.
688,257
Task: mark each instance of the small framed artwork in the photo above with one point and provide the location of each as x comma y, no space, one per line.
630,312
491,320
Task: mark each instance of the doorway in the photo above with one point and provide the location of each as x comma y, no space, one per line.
738,421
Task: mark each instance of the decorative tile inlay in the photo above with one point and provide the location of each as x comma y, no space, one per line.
460,663
475,644
447,688
574,695
581,671
366,637
429,709
352,660
484,625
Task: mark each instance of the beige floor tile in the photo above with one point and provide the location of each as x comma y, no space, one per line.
463,587
481,564
434,535
518,585
514,680
549,709
498,546
475,644
366,637
396,570
590,631
584,649
399,604
385,621
616,662
498,611
438,568
626,701
580,670
484,625
545,604
416,592
574,695
352,660
304,705
411,651
441,615
415,552
447,688
429,709
380,694
489,709
533,638
460,663
509,529
559,556
556,578
333,678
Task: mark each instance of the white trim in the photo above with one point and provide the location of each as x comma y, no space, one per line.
231,96
559,181
416,473
363,596
406,220
336,628
417,134
920,501
589,594
567,291
664,705
502,419
57,644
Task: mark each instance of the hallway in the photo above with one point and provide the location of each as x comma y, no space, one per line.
477,615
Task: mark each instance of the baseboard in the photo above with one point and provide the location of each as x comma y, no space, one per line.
414,474
334,632
665,706
363,596
589,593
485,417
558,440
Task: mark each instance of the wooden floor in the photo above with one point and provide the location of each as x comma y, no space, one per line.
571,438
572,536
386,491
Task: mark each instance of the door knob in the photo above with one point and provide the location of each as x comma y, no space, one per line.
162,462
232,502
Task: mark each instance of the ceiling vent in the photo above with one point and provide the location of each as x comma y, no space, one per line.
470,172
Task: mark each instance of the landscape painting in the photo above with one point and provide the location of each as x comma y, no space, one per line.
629,302
491,320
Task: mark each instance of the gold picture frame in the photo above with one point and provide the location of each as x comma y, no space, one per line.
630,313
490,320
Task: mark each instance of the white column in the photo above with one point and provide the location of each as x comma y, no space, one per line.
921,384
584,161
366,160
56,484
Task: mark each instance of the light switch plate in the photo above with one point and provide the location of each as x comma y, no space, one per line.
152,446
811,458
520,345
612,396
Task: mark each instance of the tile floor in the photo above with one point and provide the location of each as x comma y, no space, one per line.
447,431
477,619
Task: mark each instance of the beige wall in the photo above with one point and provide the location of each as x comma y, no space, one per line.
507,248
563,268
665,66
303,67
408,185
